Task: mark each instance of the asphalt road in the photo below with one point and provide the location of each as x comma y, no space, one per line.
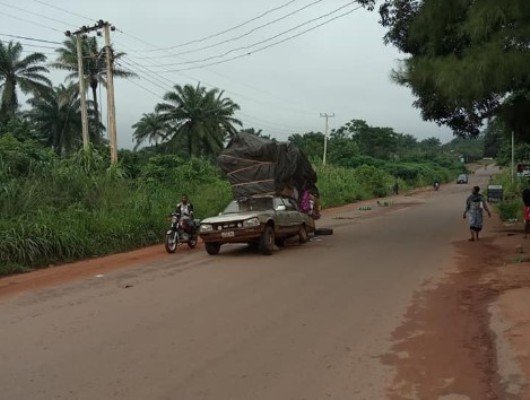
310,322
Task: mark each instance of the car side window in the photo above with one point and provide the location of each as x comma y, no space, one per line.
293,204
278,202
289,206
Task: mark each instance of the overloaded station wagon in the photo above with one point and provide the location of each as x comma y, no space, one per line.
262,222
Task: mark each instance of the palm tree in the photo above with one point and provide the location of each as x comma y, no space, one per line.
150,127
57,117
95,65
203,117
26,73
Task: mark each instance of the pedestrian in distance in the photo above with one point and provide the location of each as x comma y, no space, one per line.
526,210
474,206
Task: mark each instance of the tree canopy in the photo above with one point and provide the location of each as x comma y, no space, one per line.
25,73
204,118
467,59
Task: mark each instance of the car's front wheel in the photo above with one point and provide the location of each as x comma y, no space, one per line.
212,248
266,242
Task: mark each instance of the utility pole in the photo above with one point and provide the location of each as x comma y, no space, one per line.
111,108
82,86
81,33
327,117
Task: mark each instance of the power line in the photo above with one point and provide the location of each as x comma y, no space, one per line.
30,22
158,96
269,123
40,46
30,38
260,49
147,68
34,13
128,69
234,38
161,78
200,40
166,88
250,46
64,10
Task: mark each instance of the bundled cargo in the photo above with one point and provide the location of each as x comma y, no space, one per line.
256,166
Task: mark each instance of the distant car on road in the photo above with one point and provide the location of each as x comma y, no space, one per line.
462,178
259,221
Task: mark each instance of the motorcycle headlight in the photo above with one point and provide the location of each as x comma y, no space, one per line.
251,223
206,228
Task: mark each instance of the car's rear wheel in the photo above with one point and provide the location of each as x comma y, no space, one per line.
280,242
266,242
212,248
303,236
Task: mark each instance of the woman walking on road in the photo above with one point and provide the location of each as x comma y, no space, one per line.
474,205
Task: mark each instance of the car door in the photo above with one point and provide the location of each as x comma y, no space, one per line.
294,216
282,216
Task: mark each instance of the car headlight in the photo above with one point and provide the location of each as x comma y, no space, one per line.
250,223
206,228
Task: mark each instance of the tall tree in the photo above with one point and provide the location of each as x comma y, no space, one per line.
94,67
468,59
204,118
150,127
27,73
377,142
57,117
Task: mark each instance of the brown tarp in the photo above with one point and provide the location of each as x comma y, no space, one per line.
257,166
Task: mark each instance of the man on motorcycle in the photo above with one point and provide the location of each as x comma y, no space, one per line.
185,210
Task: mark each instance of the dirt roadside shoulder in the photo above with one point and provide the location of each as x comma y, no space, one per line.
468,335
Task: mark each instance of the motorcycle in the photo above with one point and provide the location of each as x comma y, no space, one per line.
183,230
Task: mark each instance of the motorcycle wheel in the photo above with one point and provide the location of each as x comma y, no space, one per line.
170,244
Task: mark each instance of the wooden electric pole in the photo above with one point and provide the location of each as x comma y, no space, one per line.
82,85
326,129
111,108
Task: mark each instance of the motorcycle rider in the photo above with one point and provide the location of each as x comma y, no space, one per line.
185,210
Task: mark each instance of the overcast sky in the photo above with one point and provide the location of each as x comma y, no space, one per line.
342,67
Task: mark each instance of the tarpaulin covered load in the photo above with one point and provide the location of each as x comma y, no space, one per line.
257,166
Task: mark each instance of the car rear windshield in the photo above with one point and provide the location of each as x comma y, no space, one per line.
257,204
